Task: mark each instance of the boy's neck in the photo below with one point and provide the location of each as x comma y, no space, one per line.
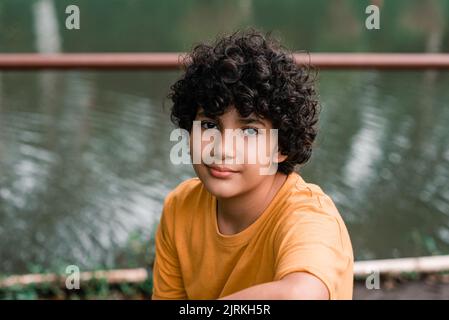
237,213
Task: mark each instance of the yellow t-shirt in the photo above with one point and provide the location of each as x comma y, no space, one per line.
300,230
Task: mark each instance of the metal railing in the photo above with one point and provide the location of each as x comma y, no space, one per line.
172,61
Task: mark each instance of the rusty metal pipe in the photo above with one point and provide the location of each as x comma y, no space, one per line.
172,61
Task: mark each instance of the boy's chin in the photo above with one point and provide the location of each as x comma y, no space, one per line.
221,189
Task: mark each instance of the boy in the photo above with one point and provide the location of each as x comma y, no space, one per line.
233,232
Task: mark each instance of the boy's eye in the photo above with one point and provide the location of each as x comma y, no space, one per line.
250,132
208,125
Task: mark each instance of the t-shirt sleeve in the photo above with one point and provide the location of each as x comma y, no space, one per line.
167,277
311,241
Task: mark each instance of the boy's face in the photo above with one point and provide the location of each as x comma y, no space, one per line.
230,168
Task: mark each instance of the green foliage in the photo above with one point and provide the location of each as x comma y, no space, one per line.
137,253
90,290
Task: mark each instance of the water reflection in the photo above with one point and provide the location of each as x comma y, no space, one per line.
84,155
366,144
78,178
85,169
382,158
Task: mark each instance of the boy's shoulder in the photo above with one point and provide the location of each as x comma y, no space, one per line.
184,191
307,202
303,193
311,211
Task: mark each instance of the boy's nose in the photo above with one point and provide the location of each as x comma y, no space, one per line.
224,148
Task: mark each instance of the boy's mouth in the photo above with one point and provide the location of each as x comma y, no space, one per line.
220,172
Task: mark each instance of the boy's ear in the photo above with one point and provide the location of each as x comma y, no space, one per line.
280,157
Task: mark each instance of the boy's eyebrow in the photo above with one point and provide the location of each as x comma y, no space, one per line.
202,114
248,120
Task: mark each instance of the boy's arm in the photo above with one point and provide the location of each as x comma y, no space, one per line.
294,286
167,277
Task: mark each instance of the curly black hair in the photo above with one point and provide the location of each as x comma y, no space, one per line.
254,73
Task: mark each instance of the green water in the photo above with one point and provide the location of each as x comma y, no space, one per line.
84,163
